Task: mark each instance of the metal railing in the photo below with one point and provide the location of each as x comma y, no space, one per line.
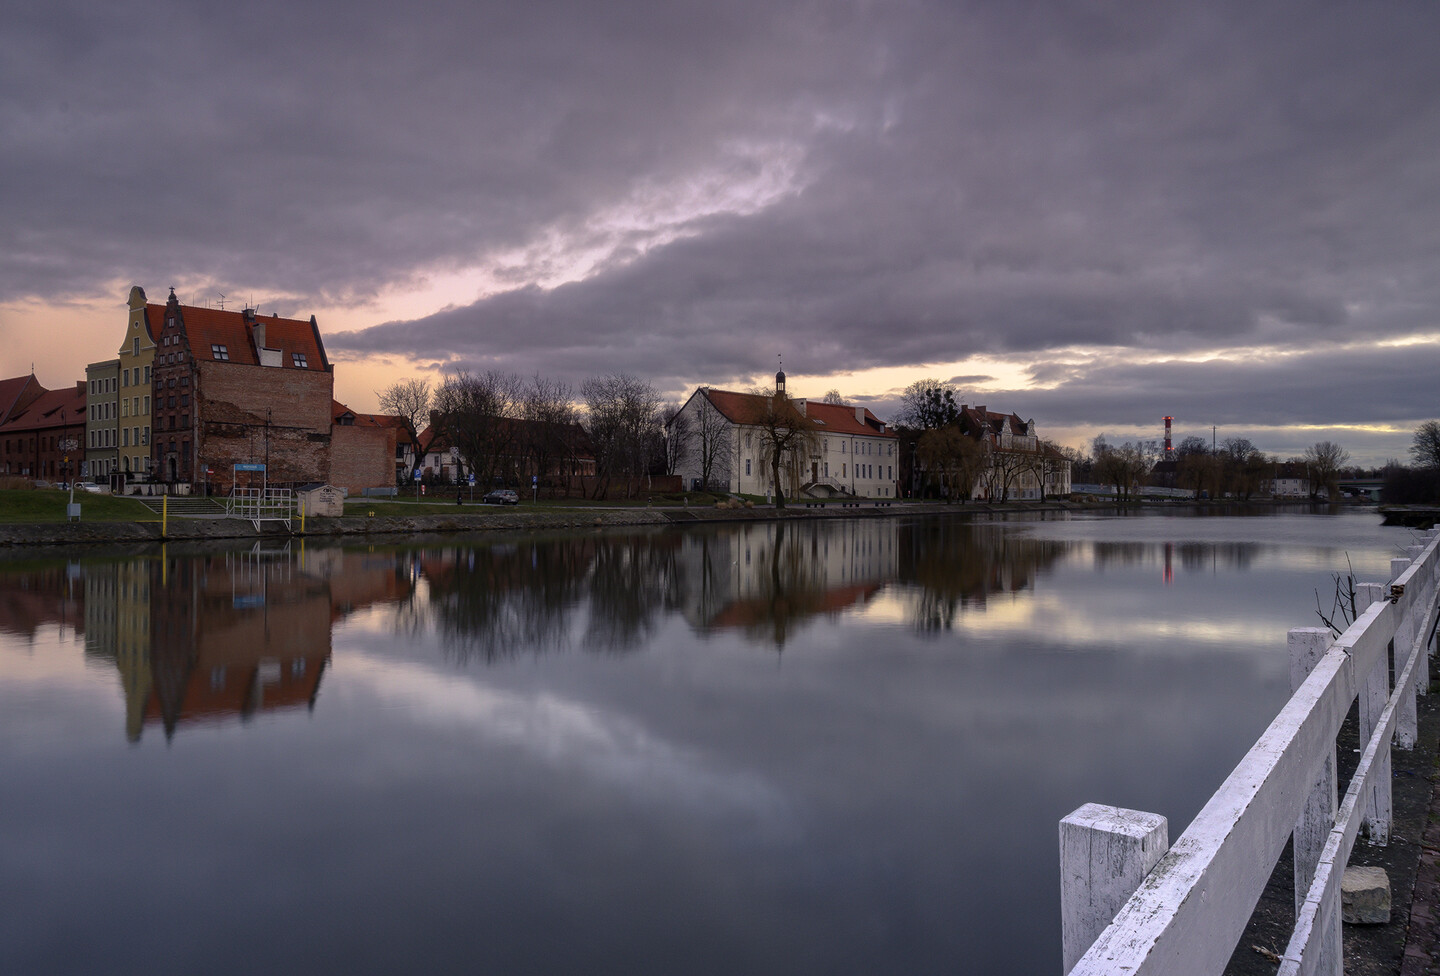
1132,904
261,505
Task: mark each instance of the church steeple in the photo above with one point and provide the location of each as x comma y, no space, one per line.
780,378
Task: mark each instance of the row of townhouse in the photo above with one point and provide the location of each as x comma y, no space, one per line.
191,394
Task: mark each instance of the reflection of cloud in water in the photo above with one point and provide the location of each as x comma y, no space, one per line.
1072,624
568,735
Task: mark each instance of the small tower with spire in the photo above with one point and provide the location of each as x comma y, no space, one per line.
780,377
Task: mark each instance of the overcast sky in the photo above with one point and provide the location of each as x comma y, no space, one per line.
1092,214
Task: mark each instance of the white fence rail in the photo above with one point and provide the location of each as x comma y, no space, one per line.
1130,906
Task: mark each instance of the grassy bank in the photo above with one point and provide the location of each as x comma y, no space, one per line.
41,505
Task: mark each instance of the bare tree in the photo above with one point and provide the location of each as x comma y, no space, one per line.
928,404
953,461
833,396
1126,467
714,444
679,435
478,413
409,400
786,436
550,435
1325,459
1425,448
624,421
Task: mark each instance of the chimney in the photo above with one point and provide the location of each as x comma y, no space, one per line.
800,405
259,329
860,415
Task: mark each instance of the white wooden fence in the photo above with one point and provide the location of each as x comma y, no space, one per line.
1132,905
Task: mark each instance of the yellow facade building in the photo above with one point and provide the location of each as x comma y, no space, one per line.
137,357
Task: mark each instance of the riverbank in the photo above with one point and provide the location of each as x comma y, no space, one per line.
488,518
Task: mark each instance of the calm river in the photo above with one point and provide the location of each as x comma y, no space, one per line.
828,747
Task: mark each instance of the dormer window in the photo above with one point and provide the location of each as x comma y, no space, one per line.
220,352
299,359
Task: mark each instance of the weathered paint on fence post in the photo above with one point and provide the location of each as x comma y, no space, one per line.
1105,852
1374,692
1307,646
1406,721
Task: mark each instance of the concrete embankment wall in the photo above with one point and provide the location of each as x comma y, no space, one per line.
191,529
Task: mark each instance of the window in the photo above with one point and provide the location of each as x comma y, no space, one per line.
145,439
170,403
125,408
135,346
125,378
180,356
147,404
125,438
299,360
219,352
185,420
147,374
747,461
184,399
184,381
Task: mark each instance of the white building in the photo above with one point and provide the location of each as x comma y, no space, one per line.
846,450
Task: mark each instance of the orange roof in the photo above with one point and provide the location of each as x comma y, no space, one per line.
209,327
830,418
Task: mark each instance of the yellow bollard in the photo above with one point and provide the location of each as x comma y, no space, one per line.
164,514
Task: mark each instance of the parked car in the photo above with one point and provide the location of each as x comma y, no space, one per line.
501,496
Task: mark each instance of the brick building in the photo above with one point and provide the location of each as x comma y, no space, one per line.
234,387
42,432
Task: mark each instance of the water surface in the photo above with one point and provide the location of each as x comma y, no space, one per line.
827,747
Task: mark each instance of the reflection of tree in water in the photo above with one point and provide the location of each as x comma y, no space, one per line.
791,587
496,602
632,581
956,565
500,601
1192,555
1207,555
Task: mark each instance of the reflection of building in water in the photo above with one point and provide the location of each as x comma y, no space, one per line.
35,599
198,638
763,578
232,634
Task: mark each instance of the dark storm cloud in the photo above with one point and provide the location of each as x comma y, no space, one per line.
938,179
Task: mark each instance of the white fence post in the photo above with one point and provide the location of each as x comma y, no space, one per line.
1374,692
1307,645
1406,720
1105,852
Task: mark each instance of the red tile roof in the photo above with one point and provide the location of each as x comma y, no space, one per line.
53,410
208,327
831,418
18,393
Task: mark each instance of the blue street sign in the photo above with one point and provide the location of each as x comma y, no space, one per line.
249,467
472,478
